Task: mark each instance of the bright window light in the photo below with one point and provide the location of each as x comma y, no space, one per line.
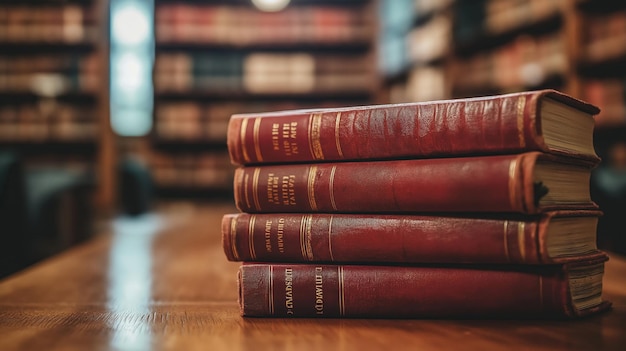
130,72
131,60
130,24
270,5
131,122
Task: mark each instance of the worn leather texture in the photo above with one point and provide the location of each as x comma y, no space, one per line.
309,290
377,238
500,124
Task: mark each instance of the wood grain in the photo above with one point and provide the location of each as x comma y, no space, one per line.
162,282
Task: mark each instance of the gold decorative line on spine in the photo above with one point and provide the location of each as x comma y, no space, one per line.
311,187
315,126
251,237
233,238
271,289
512,178
307,239
330,238
541,292
257,146
255,188
521,106
331,187
342,298
337,144
242,136
246,192
521,240
506,241
303,236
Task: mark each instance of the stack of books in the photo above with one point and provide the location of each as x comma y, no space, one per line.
460,208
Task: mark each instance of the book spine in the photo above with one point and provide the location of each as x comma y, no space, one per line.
306,290
465,184
382,238
454,127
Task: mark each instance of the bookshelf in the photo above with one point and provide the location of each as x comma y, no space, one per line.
500,46
51,84
53,123
217,58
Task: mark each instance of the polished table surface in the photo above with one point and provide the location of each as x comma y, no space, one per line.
161,281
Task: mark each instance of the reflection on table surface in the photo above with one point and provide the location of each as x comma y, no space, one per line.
161,281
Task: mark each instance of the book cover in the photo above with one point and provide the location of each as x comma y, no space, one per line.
542,120
527,183
554,237
335,291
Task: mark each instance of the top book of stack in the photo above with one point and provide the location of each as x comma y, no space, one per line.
544,120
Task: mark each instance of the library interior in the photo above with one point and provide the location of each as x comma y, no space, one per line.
115,170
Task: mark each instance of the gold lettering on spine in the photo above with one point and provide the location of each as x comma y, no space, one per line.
339,151
506,242
331,187
342,299
315,125
521,240
311,187
289,290
512,178
255,188
257,148
271,289
319,291
233,238
330,241
244,127
521,106
251,236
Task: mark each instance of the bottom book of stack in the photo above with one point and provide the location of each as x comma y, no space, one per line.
405,266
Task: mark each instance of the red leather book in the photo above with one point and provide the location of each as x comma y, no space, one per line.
555,237
309,290
522,183
544,120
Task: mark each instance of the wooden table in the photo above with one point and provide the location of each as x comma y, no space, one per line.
162,282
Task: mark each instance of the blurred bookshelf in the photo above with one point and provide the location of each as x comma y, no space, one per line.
451,49
48,75
217,58
52,119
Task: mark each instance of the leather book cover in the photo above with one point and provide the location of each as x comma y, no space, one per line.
379,238
499,124
368,291
501,183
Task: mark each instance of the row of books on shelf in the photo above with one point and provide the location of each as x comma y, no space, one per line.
469,208
206,170
479,19
430,41
194,121
192,23
50,73
525,61
502,16
610,95
55,24
402,43
260,72
423,83
47,121
605,37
